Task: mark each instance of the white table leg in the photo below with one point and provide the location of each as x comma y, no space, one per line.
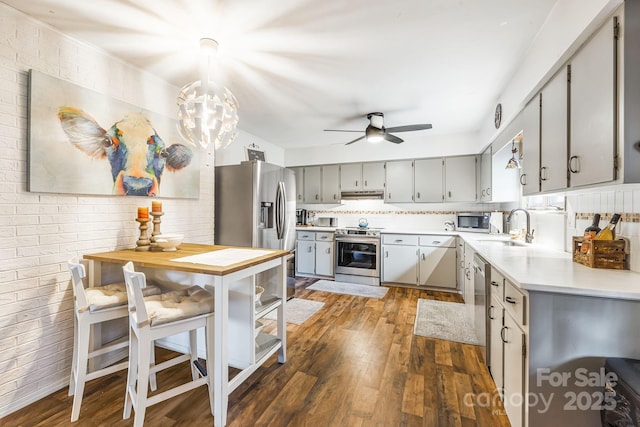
282,321
221,363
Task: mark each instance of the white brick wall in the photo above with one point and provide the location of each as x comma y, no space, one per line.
40,232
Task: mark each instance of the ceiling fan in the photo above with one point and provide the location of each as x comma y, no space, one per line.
376,131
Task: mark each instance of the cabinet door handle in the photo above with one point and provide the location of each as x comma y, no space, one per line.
389,196
356,182
328,250
386,254
489,191
503,334
309,249
449,194
484,192
494,283
424,258
543,173
510,300
316,197
574,160
418,194
334,197
523,179
490,312
366,183
299,196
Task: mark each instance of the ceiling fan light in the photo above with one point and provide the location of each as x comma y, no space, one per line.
374,135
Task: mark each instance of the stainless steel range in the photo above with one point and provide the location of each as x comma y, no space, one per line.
358,255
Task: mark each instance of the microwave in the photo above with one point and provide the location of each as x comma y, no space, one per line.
477,222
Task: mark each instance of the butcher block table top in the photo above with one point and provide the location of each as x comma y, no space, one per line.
166,260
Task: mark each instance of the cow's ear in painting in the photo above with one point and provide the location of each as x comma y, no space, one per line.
83,131
177,156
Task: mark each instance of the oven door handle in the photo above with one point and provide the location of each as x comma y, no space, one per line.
366,241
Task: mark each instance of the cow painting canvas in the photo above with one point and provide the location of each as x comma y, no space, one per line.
83,142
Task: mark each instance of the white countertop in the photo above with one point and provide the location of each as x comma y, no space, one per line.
315,228
538,269
535,268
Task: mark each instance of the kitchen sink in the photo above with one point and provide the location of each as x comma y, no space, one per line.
502,242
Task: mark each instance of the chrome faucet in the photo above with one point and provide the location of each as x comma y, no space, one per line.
529,237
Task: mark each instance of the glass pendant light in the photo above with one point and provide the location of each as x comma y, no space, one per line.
513,163
207,113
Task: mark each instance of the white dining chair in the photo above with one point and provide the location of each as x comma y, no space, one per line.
92,306
158,317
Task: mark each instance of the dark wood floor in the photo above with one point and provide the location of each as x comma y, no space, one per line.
355,363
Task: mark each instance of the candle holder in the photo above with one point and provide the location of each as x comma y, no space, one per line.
156,230
143,243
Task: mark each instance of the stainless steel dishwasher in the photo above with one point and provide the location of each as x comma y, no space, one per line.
481,280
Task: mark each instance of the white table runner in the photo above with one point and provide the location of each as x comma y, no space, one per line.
224,257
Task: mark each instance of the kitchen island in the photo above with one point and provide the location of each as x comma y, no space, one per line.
225,271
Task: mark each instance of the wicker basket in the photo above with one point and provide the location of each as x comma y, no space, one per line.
602,254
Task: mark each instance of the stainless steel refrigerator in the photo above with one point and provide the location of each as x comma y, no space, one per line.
255,206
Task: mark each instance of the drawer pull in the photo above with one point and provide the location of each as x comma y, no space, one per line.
324,237
503,334
494,283
436,242
399,240
510,300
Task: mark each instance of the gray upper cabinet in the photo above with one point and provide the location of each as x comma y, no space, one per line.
593,89
429,180
362,176
351,177
553,133
299,184
312,184
373,176
331,184
530,175
484,181
460,179
399,181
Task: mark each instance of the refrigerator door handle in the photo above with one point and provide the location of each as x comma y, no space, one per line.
280,210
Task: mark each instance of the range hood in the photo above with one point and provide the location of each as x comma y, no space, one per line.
362,194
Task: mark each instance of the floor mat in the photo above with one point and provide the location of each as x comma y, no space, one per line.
349,289
444,320
298,310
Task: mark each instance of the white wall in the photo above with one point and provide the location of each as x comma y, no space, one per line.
236,151
424,145
567,27
40,232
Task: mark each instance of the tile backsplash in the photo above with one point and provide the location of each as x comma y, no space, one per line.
624,200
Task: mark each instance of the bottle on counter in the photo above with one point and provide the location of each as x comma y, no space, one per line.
609,232
590,233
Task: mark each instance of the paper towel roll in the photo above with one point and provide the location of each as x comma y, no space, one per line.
496,223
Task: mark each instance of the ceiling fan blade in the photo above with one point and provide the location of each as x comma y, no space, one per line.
392,138
355,140
341,130
409,128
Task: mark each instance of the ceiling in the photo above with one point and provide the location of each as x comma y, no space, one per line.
300,66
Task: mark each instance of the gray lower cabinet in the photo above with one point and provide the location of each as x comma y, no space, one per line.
425,260
315,254
507,352
399,259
